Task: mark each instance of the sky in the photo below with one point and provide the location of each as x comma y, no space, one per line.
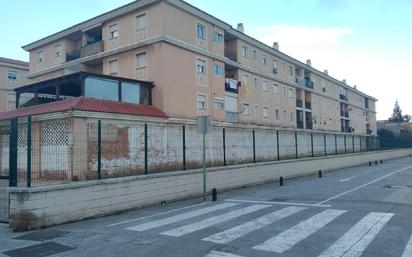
368,42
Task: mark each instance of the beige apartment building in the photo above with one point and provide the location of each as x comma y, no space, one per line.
199,65
12,75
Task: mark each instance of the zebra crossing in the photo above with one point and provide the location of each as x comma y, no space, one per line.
352,243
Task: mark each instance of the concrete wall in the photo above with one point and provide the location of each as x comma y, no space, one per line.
37,207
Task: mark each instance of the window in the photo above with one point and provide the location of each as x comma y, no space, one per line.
246,109
283,67
277,114
284,91
276,89
275,66
255,83
101,88
254,54
140,26
12,75
245,52
57,50
11,101
219,103
245,80
284,114
256,110
201,102
265,85
201,66
201,31
218,37
113,67
291,116
141,66
40,56
290,93
113,31
218,70
134,93
231,104
265,112
264,59
290,70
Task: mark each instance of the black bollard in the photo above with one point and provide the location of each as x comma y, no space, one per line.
370,164
376,162
214,195
320,173
281,181
381,161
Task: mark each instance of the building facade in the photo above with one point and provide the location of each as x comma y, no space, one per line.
12,75
200,65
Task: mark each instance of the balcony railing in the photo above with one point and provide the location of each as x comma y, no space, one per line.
232,117
299,103
369,132
90,49
308,105
344,114
230,89
343,97
309,125
347,129
299,124
232,55
309,83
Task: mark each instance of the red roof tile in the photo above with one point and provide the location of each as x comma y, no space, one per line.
85,104
16,62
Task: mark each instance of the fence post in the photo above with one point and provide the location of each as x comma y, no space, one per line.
311,144
296,144
344,138
336,144
254,146
146,169
184,146
29,123
13,153
99,149
277,144
324,144
353,143
360,143
224,147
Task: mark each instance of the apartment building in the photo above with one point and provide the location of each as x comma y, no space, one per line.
199,65
12,75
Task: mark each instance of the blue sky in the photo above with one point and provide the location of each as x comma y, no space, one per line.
369,43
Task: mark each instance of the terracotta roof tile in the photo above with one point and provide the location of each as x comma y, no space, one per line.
12,61
85,104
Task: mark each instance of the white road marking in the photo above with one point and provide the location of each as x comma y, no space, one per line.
287,239
155,215
354,242
221,254
277,203
408,249
364,185
253,225
346,179
180,231
180,217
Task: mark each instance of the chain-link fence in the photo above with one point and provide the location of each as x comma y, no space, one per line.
75,149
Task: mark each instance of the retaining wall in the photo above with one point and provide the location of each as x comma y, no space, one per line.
32,208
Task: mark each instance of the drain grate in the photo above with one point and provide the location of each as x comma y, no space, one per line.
278,200
41,235
40,250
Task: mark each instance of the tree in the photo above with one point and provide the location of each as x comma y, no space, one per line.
397,114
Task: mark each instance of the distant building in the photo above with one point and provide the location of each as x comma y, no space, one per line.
12,75
395,127
199,65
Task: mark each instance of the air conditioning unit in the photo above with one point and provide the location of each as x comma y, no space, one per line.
275,70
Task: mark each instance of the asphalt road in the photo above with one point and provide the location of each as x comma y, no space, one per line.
360,211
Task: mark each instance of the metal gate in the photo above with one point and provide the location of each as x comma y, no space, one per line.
8,165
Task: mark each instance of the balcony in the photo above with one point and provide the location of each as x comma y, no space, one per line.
309,83
369,132
89,49
308,105
232,55
343,97
232,86
299,124
232,117
344,114
309,125
299,103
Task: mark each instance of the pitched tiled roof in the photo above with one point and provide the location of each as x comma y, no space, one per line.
15,62
85,104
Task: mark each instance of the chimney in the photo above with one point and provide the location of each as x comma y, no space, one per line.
240,27
326,72
308,62
276,46
344,81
